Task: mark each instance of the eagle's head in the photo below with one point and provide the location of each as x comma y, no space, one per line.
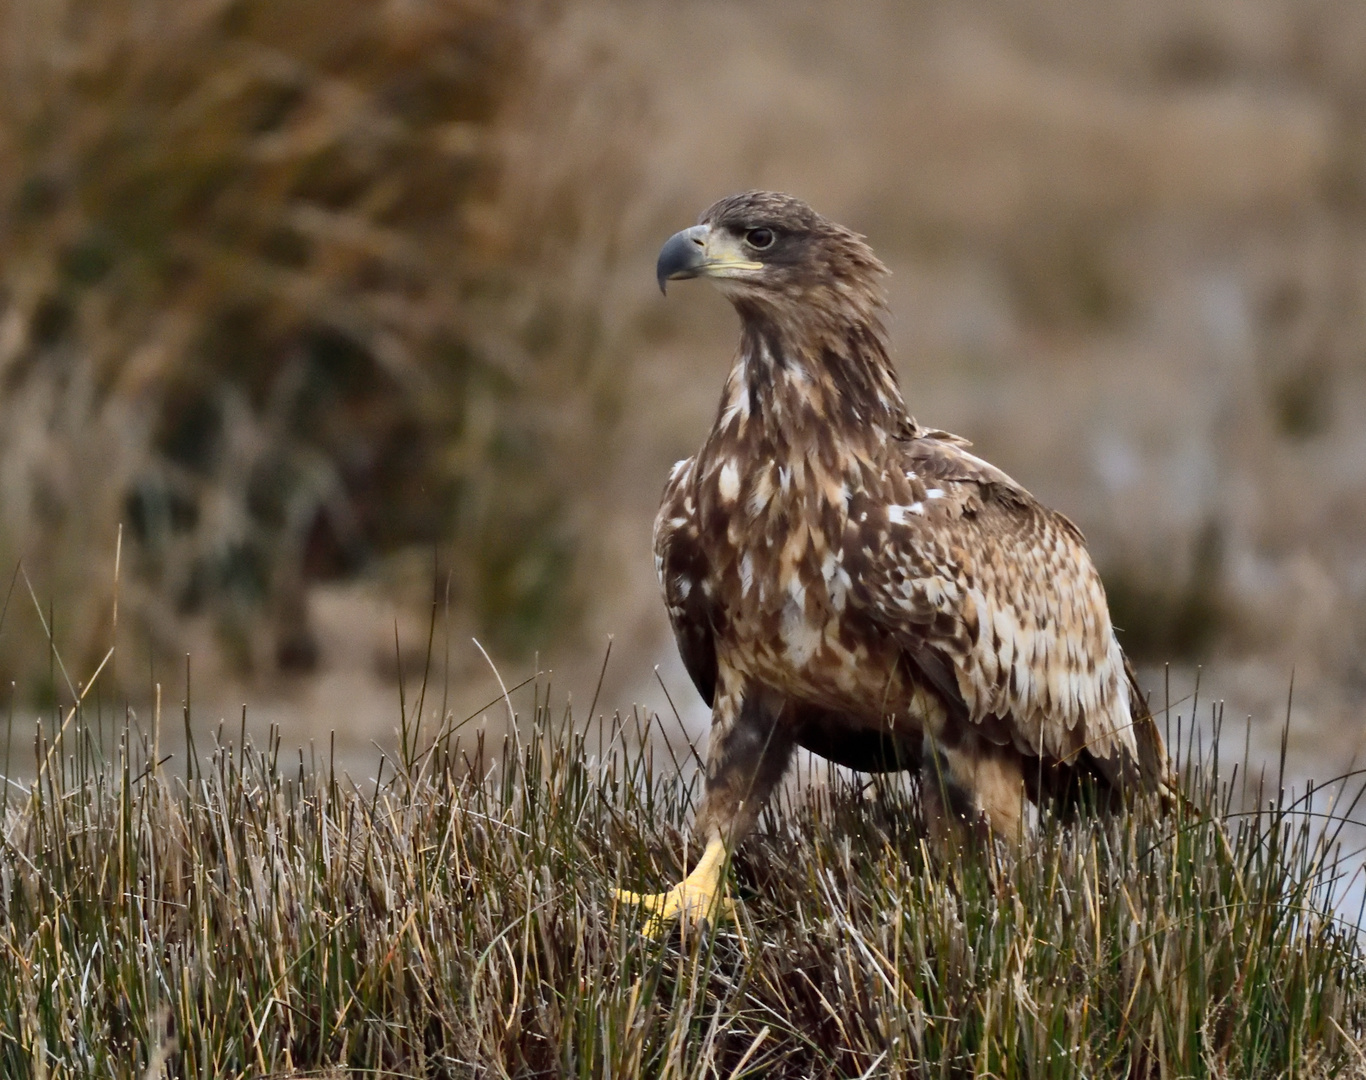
772,252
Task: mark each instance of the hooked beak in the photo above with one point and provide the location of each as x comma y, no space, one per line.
696,252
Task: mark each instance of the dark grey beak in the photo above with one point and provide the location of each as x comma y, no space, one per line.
682,256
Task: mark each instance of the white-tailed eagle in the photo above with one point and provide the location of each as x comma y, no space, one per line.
842,579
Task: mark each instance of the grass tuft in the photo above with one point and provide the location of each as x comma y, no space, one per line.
255,913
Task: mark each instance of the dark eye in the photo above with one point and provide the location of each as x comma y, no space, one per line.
759,239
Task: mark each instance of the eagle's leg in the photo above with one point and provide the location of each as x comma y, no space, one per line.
971,785
748,752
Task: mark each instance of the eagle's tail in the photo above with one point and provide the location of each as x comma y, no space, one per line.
1154,768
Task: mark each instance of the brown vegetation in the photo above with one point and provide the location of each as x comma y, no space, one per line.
260,304
257,914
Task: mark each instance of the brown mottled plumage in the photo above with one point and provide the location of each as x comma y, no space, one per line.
840,578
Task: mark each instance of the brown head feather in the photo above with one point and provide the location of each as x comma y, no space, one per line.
815,270
812,320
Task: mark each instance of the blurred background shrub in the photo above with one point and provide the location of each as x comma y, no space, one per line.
330,304
263,302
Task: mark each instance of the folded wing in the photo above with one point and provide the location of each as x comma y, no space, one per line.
996,596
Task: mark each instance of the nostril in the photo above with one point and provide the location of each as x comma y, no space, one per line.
699,241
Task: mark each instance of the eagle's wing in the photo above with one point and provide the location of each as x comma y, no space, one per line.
682,567
997,602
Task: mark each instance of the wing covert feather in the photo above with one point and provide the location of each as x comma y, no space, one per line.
958,559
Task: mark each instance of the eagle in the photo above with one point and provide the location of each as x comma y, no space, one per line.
842,579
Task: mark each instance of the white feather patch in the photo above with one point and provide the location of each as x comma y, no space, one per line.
728,483
897,515
762,492
800,637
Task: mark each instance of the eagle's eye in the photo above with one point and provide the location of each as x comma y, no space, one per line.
760,239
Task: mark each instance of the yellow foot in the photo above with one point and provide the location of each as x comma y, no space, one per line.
701,895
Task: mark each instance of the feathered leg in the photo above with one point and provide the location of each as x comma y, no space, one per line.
974,785
747,754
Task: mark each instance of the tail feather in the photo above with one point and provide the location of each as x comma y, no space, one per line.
1154,769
